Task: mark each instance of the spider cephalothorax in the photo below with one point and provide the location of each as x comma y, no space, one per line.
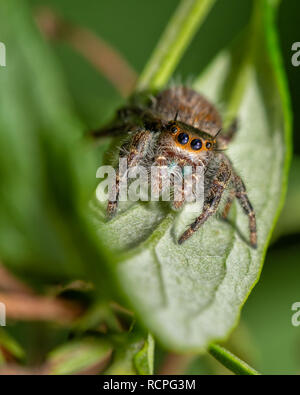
181,127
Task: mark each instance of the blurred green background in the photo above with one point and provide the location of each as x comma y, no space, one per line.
265,337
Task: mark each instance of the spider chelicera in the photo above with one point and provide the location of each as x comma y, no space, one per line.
180,126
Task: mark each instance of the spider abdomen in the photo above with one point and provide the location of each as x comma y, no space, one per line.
192,108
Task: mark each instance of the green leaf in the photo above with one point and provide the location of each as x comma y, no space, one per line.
10,345
132,355
47,170
78,356
191,295
144,359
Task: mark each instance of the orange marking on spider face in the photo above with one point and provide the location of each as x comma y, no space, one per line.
192,137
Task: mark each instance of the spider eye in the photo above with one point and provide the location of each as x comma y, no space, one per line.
208,145
174,129
196,144
183,138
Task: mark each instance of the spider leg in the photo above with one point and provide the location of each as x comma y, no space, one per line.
228,203
112,204
241,194
184,187
212,200
127,119
112,131
176,180
160,164
137,151
122,123
179,195
177,185
231,131
226,138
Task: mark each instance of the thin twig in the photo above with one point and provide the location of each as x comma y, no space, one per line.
40,308
99,53
22,304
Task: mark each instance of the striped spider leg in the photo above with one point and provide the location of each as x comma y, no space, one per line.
212,198
224,177
135,151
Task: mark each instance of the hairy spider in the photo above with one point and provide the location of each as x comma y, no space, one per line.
180,126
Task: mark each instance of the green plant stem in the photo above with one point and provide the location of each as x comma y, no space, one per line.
177,36
230,361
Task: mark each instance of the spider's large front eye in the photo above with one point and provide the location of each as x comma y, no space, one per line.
183,138
196,144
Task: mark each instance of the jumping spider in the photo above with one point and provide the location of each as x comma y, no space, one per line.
180,125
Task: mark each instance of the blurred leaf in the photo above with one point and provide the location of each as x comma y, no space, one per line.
190,295
99,314
144,359
36,339
133,355
79,356
10,345
47,171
